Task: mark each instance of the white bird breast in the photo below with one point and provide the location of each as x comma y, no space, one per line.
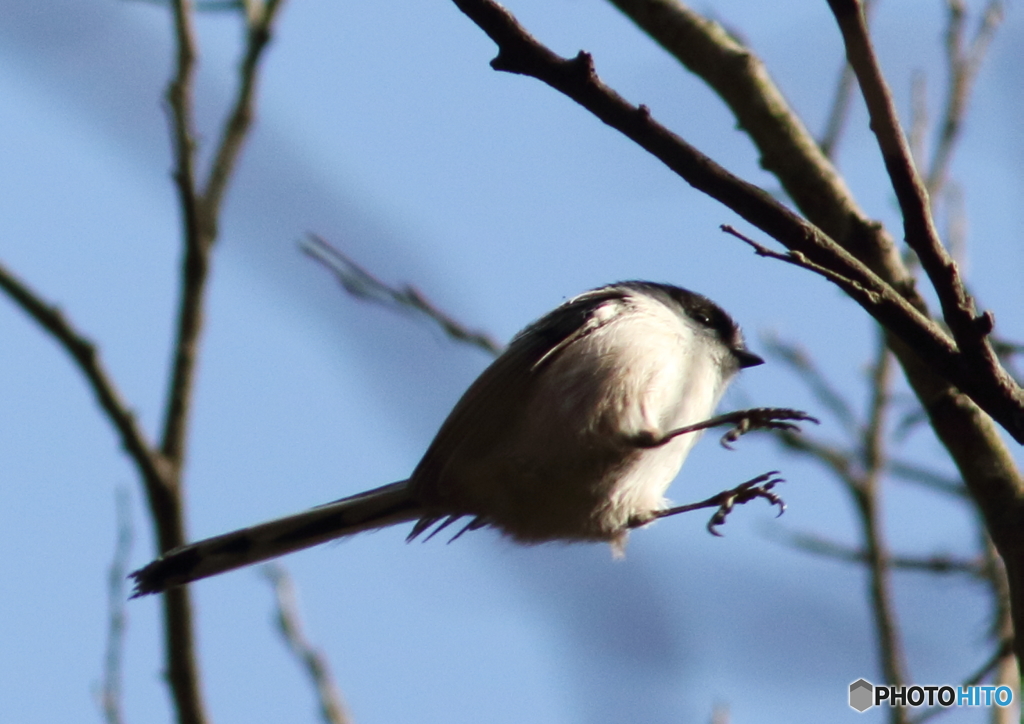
569,468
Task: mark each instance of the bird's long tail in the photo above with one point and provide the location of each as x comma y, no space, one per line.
376,508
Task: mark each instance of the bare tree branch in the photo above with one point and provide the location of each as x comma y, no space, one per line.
927,478
332,709
200,210
260,17
84,353
361,284
787,151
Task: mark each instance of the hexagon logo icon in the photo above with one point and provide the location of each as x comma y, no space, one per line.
862,694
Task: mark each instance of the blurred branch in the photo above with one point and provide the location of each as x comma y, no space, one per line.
802,364
260,16
918,116
1000,715
87,358
166,503
361,284
110,688
201,207
206,5
927,478
840,110
332,710
938,564
866,494
963,68
197,235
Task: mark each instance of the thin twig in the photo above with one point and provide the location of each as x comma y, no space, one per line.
87,357
260,17
110,688
361,284
332,709
797,258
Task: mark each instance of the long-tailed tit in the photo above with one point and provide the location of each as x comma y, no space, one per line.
574,433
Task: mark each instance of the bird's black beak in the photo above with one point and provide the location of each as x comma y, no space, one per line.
748,359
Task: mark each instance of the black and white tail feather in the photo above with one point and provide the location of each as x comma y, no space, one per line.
378,508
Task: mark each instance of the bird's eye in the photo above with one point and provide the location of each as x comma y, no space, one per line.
701,318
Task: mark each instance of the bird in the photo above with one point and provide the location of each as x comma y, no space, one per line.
573,433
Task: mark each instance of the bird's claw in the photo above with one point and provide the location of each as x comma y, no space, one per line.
764,418
759,487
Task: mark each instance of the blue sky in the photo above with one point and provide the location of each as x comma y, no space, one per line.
383,129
